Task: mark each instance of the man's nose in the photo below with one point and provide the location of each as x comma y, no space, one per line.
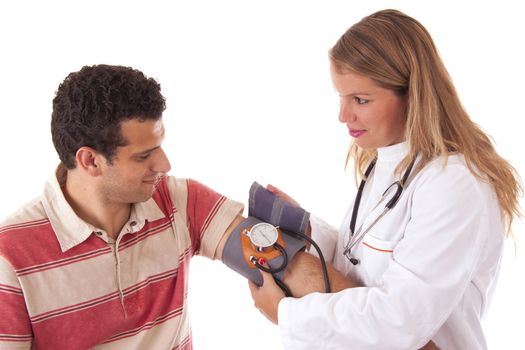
162,163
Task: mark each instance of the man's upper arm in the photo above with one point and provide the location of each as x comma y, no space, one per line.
204,214
220,247
15,328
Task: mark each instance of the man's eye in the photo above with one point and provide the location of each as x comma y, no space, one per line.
360,101
143,157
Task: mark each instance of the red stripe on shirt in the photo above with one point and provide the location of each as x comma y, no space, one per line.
19,247
22,225
14,321
62,262
211,215
53,257
17,240
162,197
109,297
185,344
145,307
146,326
132,239
203,205
15,338
9,289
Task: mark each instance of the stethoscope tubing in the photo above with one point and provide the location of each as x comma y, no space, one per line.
354,239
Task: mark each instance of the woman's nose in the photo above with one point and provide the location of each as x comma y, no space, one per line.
346,114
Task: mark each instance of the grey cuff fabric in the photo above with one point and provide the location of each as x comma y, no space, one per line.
267,207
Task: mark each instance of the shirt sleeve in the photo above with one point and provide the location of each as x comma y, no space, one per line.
209,214
15,328
430,270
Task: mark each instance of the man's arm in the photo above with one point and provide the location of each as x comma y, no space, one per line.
303,276
220,247
15,327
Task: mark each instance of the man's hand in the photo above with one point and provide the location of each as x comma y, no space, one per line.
267,296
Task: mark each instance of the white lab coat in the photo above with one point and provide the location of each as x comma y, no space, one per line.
429,265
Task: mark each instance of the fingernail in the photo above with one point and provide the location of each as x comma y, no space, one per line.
262,261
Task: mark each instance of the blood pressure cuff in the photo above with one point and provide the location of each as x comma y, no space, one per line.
265,206
237,256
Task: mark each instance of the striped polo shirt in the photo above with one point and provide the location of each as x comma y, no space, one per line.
64,284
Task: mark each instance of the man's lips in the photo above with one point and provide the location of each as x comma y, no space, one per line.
150,181
356,132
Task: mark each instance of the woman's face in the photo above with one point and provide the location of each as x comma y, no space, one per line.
374,116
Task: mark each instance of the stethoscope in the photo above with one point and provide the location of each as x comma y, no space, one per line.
397,189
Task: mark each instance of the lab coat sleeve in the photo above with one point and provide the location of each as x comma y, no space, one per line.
429,272
325,236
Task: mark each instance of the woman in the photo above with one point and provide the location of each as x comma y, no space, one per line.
425,232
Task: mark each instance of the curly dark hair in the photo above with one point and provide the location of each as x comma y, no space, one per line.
90,104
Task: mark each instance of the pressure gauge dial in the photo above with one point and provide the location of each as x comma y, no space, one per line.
263,235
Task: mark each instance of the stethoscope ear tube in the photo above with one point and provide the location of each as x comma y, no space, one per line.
359,194
399,186
392,202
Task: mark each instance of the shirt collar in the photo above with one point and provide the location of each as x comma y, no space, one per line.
71,230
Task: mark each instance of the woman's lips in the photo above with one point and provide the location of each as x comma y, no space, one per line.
356,133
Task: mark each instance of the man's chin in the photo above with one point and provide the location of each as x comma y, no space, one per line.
144,198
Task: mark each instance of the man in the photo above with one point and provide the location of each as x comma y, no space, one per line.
101,258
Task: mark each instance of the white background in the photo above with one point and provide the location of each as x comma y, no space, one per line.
249,99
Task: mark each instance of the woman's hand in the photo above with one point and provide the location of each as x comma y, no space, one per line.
282,195
267,296
290,200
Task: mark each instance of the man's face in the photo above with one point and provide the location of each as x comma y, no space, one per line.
136,168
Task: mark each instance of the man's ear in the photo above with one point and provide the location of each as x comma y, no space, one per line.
89,160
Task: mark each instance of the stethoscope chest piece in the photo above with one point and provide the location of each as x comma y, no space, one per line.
354,261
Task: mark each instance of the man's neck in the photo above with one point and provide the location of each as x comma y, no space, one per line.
90,207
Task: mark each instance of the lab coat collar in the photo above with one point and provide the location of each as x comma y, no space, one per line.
393,153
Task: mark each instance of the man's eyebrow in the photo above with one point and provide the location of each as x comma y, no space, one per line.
146,151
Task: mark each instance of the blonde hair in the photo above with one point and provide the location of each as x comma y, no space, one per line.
398,53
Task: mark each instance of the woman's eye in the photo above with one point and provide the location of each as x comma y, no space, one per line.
360,101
